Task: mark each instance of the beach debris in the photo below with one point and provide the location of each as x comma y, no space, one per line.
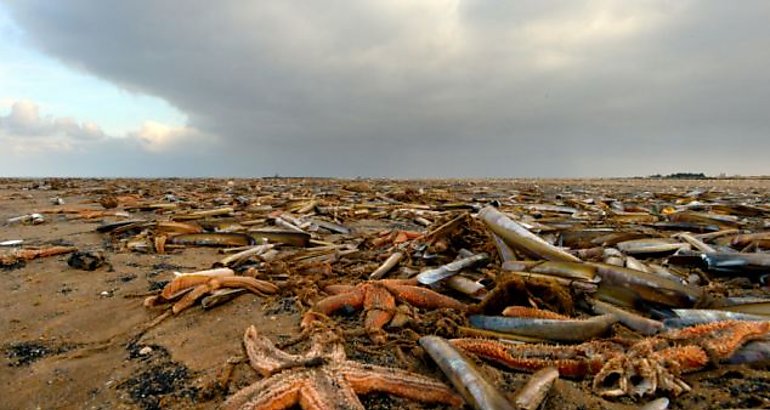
186,289
727,263
634,321
532,394
86,260
629,367
216,239
324,377
244,255
462,373
520,239
386,266
559,330
544,262
29,219
17,256
11,243
378,300
432,276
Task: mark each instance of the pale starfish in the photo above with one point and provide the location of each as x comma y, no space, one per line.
324,379
623,366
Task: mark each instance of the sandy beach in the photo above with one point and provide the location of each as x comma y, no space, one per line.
78,339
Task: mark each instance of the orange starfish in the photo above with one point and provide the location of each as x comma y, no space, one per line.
189,288
324,379
630,367
378,299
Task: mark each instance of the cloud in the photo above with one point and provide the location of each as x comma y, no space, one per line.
156,137
25,120
434,88
24,131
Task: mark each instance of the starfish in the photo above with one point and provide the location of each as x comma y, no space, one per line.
191,287
629,367
324,379
21,255
378,299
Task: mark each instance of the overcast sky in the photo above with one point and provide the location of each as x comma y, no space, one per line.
385,88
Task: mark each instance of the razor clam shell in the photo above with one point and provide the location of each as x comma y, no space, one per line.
212,239
695,242
503,250
518,237
646,286
12,242
332,227
221,296
571,330
110,227
386,266
757,308
574,284
641,324
300,239
692,317
476,390
432,276
467,286
239,257
651,246
534,392
565,270
752,352
737,261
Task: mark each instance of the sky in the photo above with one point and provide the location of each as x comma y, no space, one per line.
386,88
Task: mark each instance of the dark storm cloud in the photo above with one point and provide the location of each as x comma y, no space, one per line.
437,88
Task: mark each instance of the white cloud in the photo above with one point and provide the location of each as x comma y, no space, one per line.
156,137
24,130
24,120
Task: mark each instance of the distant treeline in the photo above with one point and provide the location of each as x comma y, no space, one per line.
681,175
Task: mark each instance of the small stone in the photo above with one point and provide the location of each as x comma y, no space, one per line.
145,351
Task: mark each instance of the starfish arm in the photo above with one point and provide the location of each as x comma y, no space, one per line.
523,311
264,357
380,306
326,344
425,298
182,283
254,285
191,297
721,339
572,361
278,392
328,390
686,358
397,282
331,304
369,378
325,307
